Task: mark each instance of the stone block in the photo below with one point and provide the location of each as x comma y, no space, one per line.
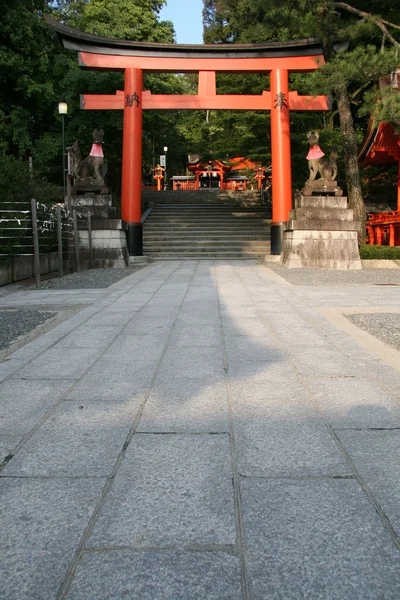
80,439
44,260
186,406
42,524
168,575
171,490
277,437
53,262
316,539
192,363
60,363
9,366
322,249
7,444
322,202
94,200
5,269
88,336
24,403
22,267
115,378
376,456
325,225
352,402
320,214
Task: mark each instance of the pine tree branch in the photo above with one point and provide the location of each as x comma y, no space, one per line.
378,21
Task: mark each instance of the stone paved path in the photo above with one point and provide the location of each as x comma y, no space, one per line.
200,431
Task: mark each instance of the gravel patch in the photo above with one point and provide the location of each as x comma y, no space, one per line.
89,279
15,323
384,326
330,277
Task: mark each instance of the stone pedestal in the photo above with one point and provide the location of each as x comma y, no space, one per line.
321,231
109,248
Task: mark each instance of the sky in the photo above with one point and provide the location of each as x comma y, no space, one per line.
186,16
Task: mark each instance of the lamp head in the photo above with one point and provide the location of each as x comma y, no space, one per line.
165,148
62,108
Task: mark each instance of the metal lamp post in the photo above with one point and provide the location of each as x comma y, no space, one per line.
63,110
165,173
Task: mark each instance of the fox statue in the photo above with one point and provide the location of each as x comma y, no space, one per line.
318,162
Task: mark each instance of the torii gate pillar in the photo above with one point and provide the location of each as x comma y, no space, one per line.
131,202
281,162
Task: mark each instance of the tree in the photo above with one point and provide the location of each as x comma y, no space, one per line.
367,27
360,65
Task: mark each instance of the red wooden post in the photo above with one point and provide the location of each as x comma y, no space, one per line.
378,235
391,234
131,201
281,162
371,235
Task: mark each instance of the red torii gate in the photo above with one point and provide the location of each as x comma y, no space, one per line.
276,58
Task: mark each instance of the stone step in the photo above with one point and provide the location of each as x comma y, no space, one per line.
257,246
206,238
207,256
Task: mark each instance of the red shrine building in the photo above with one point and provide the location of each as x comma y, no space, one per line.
275,59
236,174
381,146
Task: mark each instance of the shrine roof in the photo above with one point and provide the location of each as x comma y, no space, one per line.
73,39
381,145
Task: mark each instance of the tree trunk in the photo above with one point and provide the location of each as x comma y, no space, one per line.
356,201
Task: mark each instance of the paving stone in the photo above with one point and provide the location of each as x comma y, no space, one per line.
276,437
36,346
249,327
59,363
316,539
7,444
205,335
160,311
263,371
114,379
388,377
88,336
111,317
77,440
148,326
376,455
192,363
230,311
148,347
24,403
322,362
354,402
42,523
9,366
157,576
186,406
239,347
171,490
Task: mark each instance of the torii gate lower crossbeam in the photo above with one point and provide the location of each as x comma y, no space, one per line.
134,58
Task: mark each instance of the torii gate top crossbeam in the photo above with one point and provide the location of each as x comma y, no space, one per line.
106,53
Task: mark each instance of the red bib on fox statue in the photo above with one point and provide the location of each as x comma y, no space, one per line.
315,152
97,150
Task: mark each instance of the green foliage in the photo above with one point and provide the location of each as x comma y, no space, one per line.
17,184
369,252
121,19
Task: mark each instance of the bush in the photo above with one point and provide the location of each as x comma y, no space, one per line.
369,252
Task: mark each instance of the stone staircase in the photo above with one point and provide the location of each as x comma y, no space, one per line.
206,225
